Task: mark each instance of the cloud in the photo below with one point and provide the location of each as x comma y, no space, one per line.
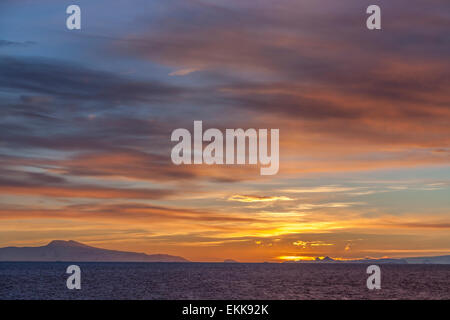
7,43
81,191
249,198
321,189
183,72
305,244
76,83
311,206
323,86
160,218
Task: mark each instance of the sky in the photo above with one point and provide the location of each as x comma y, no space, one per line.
364,117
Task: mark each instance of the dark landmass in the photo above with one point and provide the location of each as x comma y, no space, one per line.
412,260
59,250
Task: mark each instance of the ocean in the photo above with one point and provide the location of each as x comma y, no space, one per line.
228,281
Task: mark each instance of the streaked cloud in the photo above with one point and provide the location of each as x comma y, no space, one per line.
305,244
183,72
310,206
249,198
321,189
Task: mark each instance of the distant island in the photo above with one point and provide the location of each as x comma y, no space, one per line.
73,251
59,250
411,260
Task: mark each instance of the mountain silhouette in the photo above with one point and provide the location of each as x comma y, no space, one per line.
324,260
60,250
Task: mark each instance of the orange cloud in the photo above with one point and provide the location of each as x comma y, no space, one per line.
248,198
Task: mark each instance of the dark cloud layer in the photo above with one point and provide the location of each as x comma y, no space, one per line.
76,83
297,65
316,63
7,43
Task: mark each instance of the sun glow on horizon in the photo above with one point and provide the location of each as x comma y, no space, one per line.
297,258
